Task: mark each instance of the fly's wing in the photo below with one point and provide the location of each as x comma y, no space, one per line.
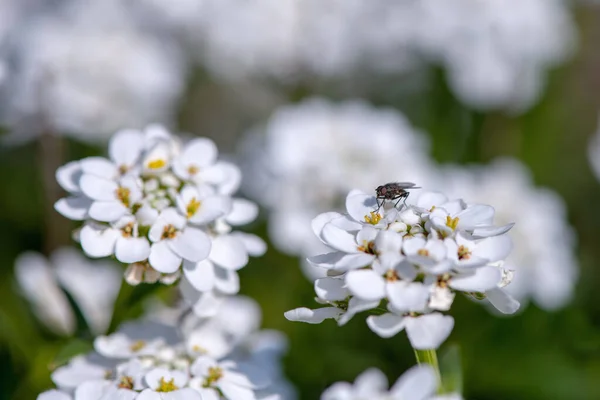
407,185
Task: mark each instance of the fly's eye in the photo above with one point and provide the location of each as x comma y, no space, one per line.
383,190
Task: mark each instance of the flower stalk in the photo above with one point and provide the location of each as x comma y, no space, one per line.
430,357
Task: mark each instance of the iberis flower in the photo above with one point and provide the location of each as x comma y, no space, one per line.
407,264
162,207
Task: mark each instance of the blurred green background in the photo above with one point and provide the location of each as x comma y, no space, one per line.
534,355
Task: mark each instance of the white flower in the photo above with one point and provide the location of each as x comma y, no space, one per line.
111,200
173,242
219,271
121,238
418,383
211,377
202,207
424,332
54,395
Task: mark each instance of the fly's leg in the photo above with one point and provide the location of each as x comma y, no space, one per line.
379,204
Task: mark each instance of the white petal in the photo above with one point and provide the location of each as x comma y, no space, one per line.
356,305
429,331
149,394
107,211
227,281
386,325
481,280
502,301
163,259
429,199
191,244
229,252
342,261
68,176
201,274
339,239
367,234
366,284
418,383
125,147
99,166
54,395
370,383
317,316
98,188
200,152
242,212
75,208
388,242
130,250
211,208
412,245
98,241
331,289
321,220
476,214
360,205
407,296
495,248
233,391
255,246
487,231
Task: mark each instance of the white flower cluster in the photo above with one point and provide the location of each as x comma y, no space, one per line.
87,69
215,358
412,261
495,52
418,383
164,208
310,155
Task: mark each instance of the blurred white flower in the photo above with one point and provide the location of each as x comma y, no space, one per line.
543,259
181,356
93,286
418,383
496,52
88,69
308,156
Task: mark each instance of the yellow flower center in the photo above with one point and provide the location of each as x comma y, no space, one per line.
463,253
199,349
193,170
423,252
122,194
367,247
123,169
156,164
391,275
214,374
192,207
442,280
166,386
126,382
373,218
169,232
451,223
137,346
127,230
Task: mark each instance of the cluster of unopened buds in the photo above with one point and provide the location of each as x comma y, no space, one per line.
216,359
164,208
405,264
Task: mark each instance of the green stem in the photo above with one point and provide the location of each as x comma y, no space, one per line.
430,357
